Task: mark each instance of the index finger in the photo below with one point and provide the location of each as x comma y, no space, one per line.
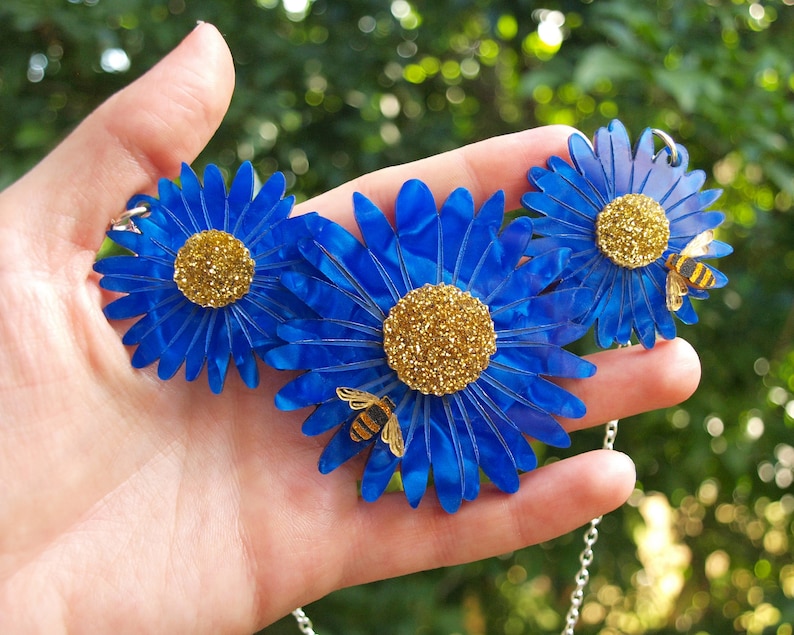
498,163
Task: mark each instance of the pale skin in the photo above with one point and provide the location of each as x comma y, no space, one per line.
128,504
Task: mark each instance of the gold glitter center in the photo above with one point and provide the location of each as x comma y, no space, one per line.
213,269
632,231
439,339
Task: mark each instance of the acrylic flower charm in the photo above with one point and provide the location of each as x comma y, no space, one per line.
638,227
203,275
434,345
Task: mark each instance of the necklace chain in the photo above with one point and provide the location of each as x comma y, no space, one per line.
304,623
582,576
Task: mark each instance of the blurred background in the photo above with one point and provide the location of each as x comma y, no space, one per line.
328,90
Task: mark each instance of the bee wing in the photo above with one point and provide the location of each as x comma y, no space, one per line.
699,245
676,289
392,435
358,399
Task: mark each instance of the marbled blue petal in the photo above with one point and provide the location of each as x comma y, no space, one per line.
564,217
456,215
326,416
340,448
129,306
530,278
320,384
520,358
191,195
378,471
336,253
480,234
613,148
319,294
418,230
215,209
415,467
446,458
586,162
381,241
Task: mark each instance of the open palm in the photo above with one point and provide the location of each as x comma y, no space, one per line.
128,504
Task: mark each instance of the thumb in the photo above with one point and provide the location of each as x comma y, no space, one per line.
138,135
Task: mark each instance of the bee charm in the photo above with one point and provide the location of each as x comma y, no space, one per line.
377,416
687,272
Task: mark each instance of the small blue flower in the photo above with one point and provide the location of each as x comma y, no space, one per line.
204,274
434,345
637,226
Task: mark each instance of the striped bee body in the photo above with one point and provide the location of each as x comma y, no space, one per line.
685,272
372,420
696,273
377,415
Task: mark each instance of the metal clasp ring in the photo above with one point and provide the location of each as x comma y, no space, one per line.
675,157
126,222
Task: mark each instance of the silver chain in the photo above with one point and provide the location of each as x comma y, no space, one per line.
586,557
304,623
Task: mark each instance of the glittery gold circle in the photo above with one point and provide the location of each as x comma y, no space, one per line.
632,231
213,269
439,339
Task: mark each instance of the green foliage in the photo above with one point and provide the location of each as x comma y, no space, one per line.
343,88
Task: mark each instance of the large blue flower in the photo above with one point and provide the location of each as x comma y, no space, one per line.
434,345
204,274
637,225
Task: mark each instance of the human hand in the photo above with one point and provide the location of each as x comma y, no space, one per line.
131,504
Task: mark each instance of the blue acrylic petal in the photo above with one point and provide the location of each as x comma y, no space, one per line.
159,317
326,416
319,294
340,448
191,195
563,184
446,459
320,385
243,346
496,459
469,450
415,468
381,240
269,203
613,147
520,358
153,341
568,218
718,249
136,267
321,329
196,353
378,473
530,279
348,265
538,425
587,163
239,197
536,392
320,354
456,215
549,309
213,198
687,312
173,355
418,230
694,224
480,234
693,204
641,317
